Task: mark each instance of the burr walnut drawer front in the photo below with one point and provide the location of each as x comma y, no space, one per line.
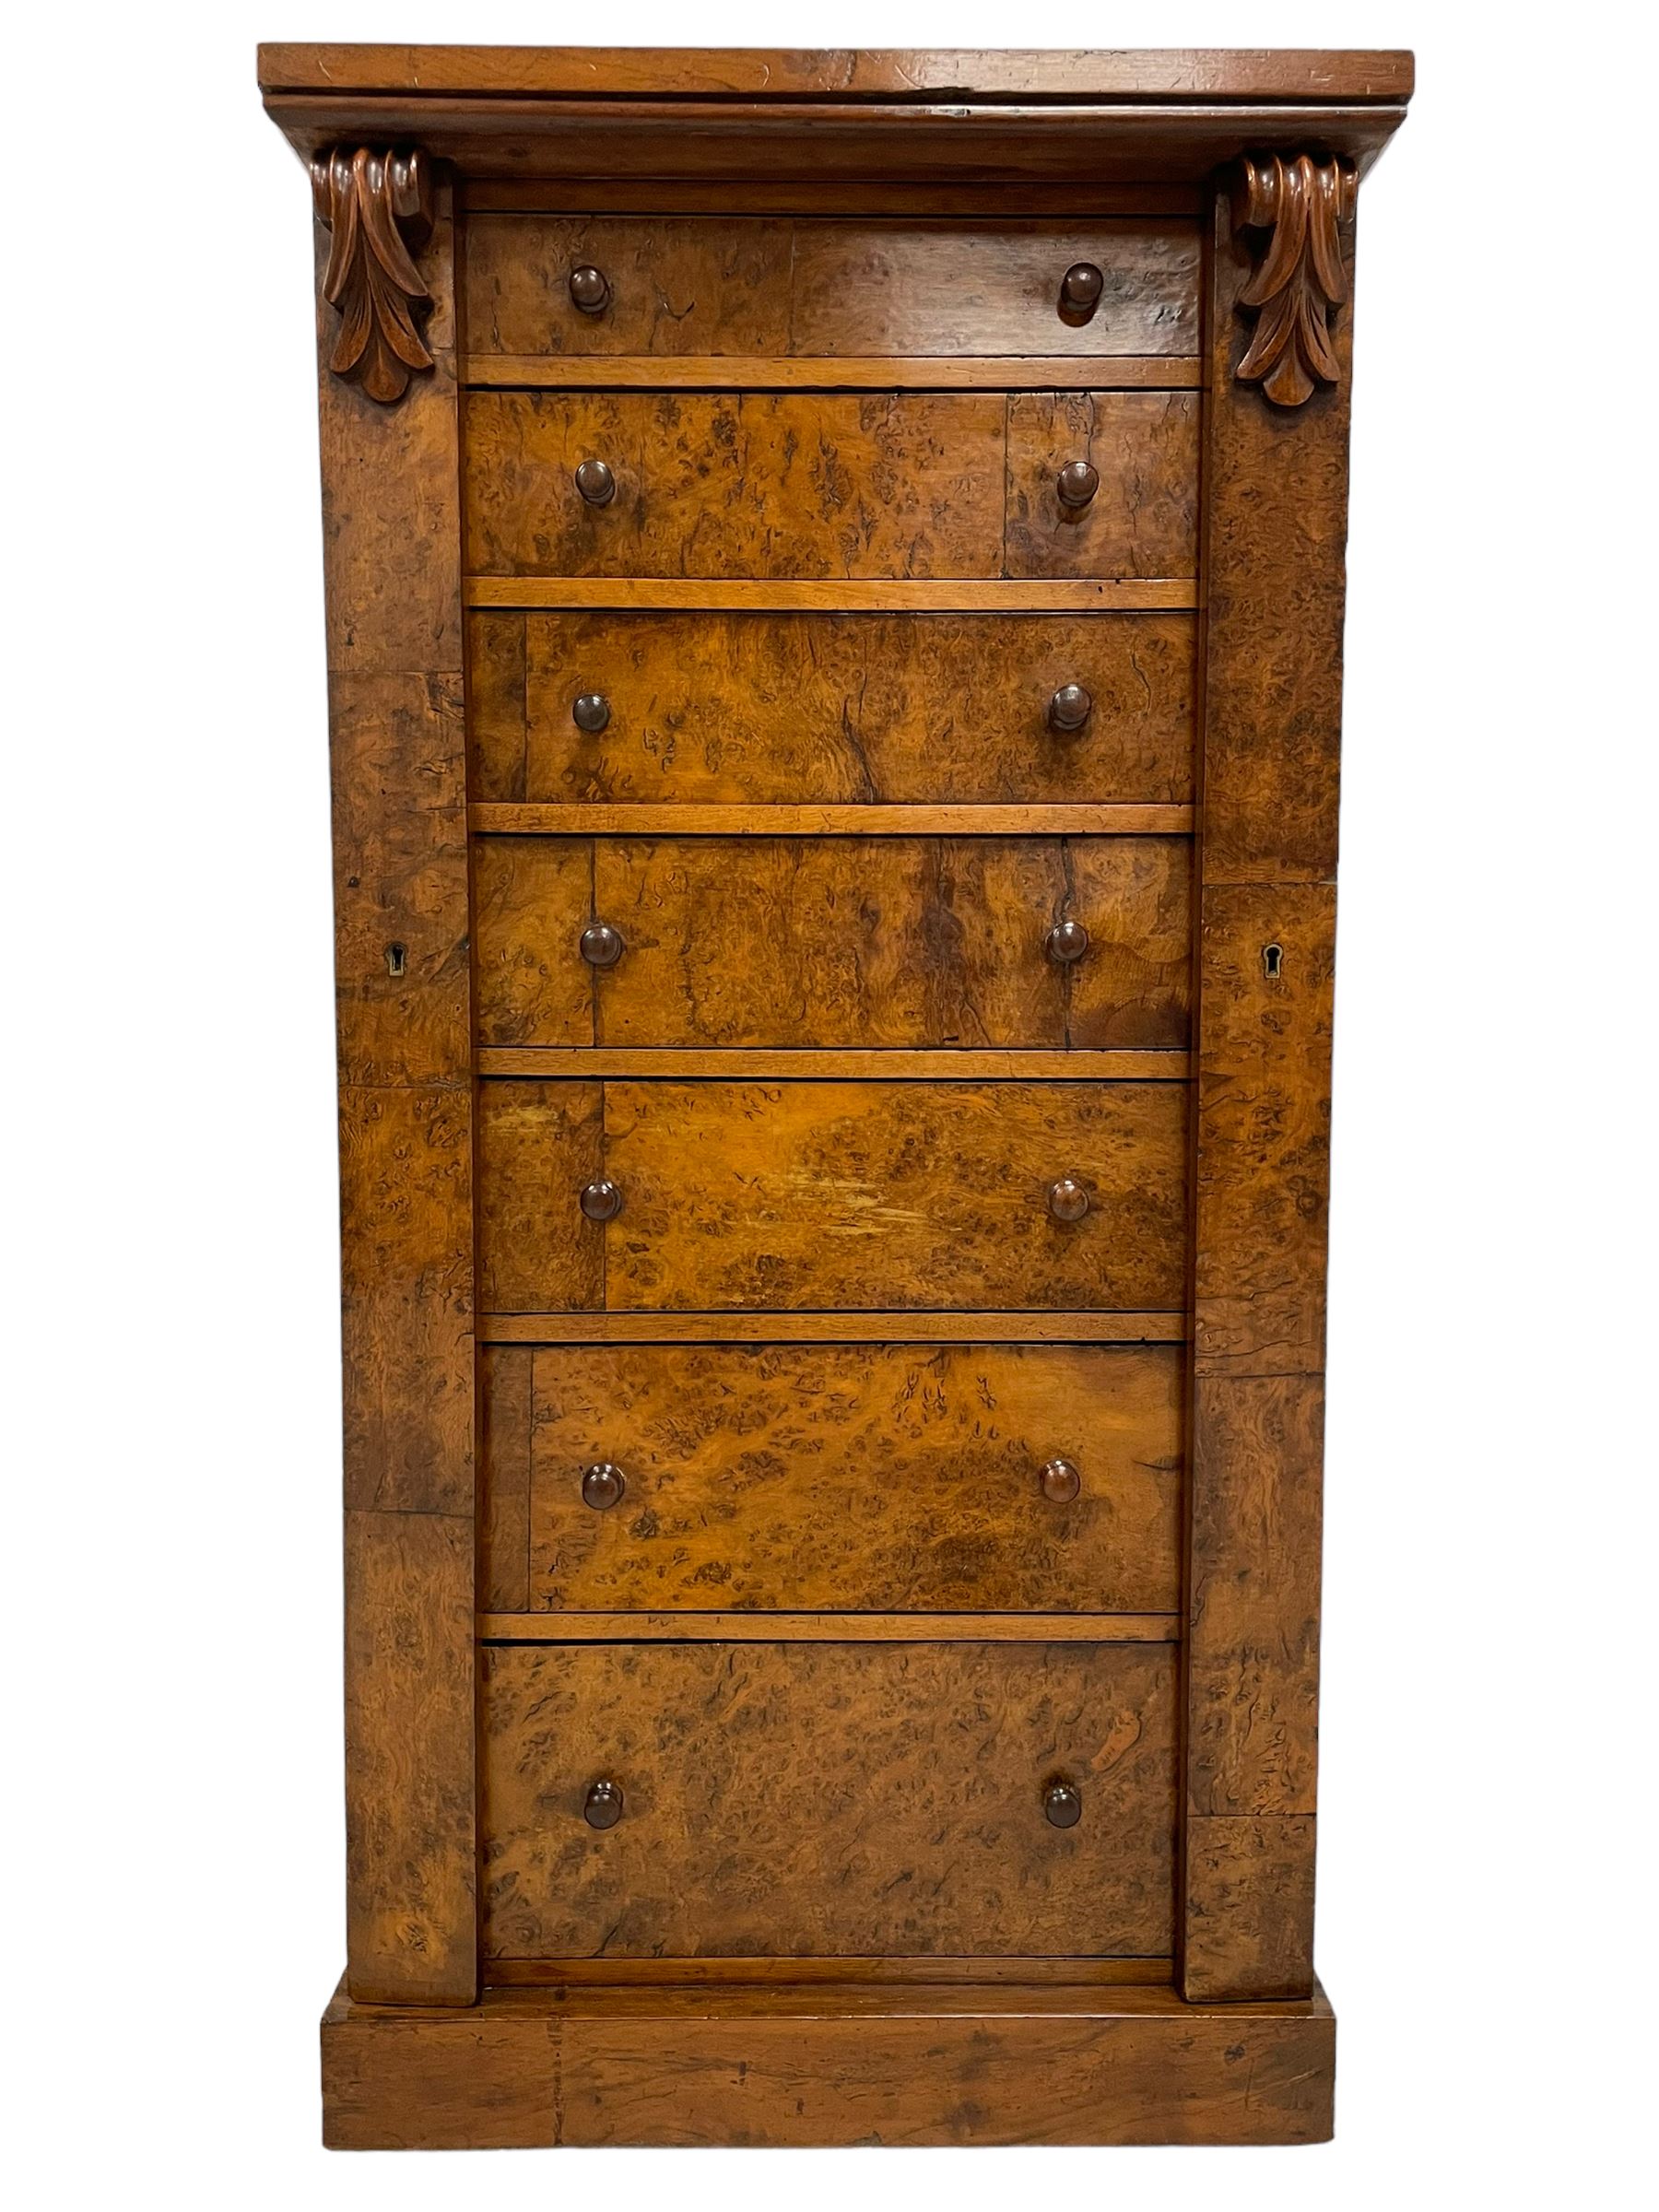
769,709
720,709
581,286
670,1195
839,941
863,1478
818,1800
812,484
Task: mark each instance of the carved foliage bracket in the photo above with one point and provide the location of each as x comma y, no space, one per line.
378,210
1303,203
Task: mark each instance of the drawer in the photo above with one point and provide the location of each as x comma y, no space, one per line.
840,941
761,485
766,709
850,1196
686,285
823,1800
845,1478
1143,519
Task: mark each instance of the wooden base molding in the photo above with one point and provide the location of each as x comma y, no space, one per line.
822,2065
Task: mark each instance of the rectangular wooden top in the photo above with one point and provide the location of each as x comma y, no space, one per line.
1258,76
707,115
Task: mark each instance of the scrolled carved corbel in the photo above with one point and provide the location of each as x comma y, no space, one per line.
1303,203
378,210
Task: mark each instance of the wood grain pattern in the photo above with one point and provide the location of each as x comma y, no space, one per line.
880,1477
1252,1663
720,141
1247,1909
1275,521
1144,518
1083,199
753,1196
531,898
950,74
848,372
411,1894
399,784
843,594
840,709
834,1078
506,1415
537,1144
1122,1326
599,817
747,484
829,1628
1264,1124
792,1065
690,286
391,526
821,1800
391,571
1018,2064
406,1296
798,1975
1276,531
844,941
678,285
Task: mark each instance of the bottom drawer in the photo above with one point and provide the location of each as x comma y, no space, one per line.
820,1800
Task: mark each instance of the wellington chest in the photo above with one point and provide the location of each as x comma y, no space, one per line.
834,573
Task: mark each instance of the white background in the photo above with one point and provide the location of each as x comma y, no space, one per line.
173,1908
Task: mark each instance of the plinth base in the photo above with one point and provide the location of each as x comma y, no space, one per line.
825,2064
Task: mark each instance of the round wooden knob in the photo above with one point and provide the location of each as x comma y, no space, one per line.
1067,1200
1059,1481
1067,942
1069,709
603,1485
1062,1805
602,944
601,1201
602,1807
1076,483
592,712
1081,287
596,485
590,288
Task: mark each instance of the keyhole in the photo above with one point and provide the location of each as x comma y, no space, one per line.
1273,959
394,960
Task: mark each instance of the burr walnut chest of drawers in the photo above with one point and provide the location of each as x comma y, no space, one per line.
834,597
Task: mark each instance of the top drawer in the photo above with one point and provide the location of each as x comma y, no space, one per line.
686,285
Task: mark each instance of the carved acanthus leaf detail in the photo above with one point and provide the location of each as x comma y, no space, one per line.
1303,203
378,209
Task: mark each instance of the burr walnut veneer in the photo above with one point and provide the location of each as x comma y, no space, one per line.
834,598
